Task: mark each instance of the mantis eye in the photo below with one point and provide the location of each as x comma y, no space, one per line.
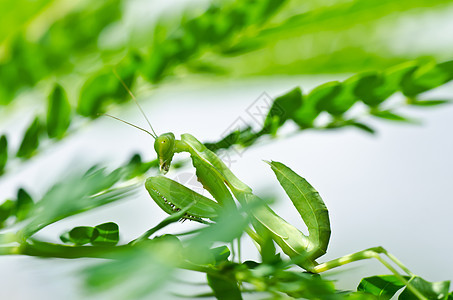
163,144
165,149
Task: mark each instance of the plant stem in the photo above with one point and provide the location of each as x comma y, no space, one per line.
371,253
398,263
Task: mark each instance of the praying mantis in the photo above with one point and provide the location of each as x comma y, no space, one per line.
226,189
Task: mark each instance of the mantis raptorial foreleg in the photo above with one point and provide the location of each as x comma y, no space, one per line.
172,196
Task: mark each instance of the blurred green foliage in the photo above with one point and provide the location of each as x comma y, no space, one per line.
30,141
58,113
57,50
106,234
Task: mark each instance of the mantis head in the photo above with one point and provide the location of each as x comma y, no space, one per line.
164,145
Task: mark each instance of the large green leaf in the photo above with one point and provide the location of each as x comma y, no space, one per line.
309,205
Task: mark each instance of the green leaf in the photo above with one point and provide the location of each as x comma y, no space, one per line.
3,153
343,97
324,94
267,246
314,103
386,286
431,290
282,109
369,89
362,126
108,235
30,141
224,288
429,102
383,286
427,76
80,235
7,209
244,137
309,205
388,115
24,205
65,238
58,113
136,167
95,93
220,253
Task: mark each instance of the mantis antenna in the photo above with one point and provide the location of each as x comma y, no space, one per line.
113,117
139,107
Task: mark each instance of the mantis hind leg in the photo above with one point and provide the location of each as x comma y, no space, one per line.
376,253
